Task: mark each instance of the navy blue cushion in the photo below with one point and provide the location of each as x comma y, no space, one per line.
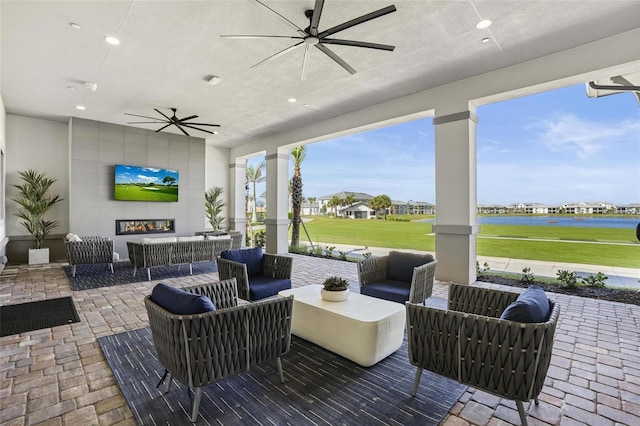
400,265
395,291
261,287
531,306
251,257
180,302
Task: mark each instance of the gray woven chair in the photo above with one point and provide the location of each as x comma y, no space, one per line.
92,249
274,276
469,343
399,277
198,350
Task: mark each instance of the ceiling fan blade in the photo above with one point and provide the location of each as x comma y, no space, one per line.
280,53
163,114
181,120
303,73
315,18
164,127
336,58
251,36
146,122
357,44
357,21
143,116
201,124
202,130
294,26
181,129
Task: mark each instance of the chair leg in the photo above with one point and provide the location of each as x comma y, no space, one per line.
135,269
523,415
190,269
536,400
111,266
169,381
149,273
279,365
417,381
196,405
73,271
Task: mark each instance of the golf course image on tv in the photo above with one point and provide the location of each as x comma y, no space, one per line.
135,183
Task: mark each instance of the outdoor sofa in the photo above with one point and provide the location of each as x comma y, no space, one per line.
155,252
205,346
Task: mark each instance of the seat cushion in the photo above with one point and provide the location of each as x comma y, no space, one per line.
395,291
400,265
531,306
251,257
181,302
261,287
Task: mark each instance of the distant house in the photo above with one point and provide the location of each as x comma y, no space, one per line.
311,209
588,208
357,210
628,209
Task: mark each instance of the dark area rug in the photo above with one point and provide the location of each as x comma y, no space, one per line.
31,316
320,388
99,275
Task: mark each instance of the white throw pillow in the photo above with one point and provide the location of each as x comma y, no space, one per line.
68,236
219,237
158,240
194,238
75,239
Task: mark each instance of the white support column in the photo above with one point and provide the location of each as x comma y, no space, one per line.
277,220
237,193
456,228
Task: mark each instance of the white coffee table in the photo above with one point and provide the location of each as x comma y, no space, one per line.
363,329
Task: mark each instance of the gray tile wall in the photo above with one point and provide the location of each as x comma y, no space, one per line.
96,147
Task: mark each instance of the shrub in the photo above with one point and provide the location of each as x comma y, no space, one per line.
567,279
328,251
595,280
485,268
527,276
300,249
366,254
342,255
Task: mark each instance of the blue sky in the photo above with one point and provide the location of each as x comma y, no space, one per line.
553,147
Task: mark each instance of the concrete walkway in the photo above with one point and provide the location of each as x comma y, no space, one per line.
618,276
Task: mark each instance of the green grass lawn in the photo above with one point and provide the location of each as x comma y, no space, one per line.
146,193
592,245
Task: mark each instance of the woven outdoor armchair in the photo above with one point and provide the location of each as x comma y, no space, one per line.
399,276
469,343
258,274
201,349
91,249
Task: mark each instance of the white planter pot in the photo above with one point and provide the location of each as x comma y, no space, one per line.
38,256
334,296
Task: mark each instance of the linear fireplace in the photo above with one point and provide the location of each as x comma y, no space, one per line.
145,226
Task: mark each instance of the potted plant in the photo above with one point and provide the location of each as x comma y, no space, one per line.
214,206
335,289
34,204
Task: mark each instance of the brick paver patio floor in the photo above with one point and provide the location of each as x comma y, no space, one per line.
59,376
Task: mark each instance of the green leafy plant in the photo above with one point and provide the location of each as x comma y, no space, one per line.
335,284
328,251
342,255
567,279
367,254
35,203
527,276
260,238
214,206
597,280
484,269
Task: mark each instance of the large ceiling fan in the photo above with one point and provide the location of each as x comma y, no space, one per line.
311,36
173,121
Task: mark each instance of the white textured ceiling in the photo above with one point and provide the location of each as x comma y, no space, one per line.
169,48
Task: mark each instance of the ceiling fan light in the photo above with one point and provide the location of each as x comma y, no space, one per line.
112,40
292,100
80,107
485,23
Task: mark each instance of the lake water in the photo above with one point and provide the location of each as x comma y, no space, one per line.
577,221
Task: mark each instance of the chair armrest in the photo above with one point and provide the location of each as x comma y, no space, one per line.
223,294
479,300
228,269
422,282
276,266
372,269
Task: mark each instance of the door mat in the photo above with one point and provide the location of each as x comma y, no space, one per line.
23,317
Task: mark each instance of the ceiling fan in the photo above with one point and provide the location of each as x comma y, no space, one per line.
173,121
311,36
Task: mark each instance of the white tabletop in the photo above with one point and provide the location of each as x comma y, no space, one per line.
357,306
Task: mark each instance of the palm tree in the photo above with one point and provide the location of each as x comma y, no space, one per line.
349,199
334,202
254,175
380,202
298,154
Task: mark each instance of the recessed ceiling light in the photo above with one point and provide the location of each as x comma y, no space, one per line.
485,23
485,40
80,107
71,88
213,80
112,40
75,26
292,100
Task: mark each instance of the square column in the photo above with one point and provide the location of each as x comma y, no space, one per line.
237,197
456,228
277,220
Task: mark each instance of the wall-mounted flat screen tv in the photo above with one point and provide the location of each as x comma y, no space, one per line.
135,183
